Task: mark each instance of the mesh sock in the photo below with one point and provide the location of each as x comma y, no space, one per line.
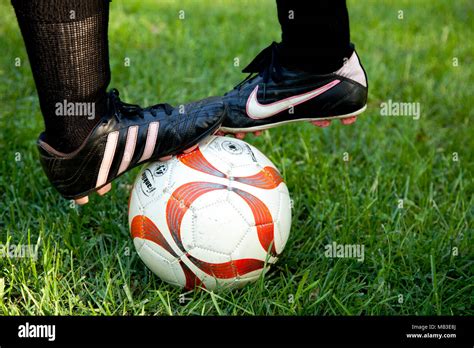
67,46
315,34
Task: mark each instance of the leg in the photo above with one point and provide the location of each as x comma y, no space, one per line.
66,42
91,136
315,34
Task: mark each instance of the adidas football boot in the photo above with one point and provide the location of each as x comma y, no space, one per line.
273,95
126,137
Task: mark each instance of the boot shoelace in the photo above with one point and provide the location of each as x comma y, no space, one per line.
121,109
266,65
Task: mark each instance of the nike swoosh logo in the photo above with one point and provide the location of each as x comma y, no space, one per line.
259,111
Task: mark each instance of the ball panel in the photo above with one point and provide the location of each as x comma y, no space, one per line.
208,158
214,228
223,231
158,260
249,247
283,221
270,197
196,166
224,275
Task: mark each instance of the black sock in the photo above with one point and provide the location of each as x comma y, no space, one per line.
66,42
315,34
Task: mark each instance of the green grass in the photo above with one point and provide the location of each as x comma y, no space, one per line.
87,263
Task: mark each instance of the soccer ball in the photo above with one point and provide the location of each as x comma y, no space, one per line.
215,217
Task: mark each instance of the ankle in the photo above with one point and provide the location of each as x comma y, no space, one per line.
72,123
296,58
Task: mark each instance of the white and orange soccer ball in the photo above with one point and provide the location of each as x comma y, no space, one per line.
216,217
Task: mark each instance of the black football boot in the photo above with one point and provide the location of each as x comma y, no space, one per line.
125,137
273,95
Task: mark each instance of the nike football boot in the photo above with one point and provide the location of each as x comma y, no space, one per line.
273,95
126,137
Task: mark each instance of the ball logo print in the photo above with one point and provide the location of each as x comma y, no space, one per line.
217,219
160,170
232,147
147,186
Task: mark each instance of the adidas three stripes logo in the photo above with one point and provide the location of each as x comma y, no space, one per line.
130,145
